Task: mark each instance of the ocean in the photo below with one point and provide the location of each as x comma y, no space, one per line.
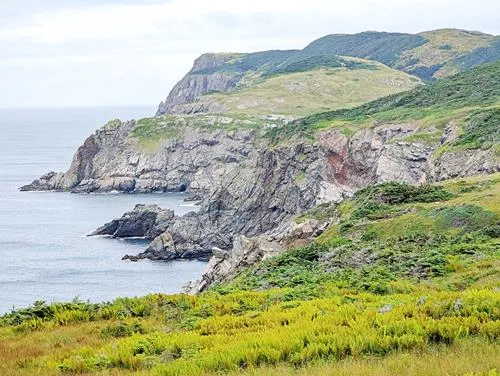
44,251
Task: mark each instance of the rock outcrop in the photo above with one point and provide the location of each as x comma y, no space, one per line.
200,80
247,251
146,221
112,160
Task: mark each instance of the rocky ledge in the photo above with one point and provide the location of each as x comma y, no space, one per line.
145,221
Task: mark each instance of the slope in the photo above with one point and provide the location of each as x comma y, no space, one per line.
298,93
405,275
469,101
428,55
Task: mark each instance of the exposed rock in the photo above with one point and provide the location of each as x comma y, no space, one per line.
197,82
146,221
244,252
462,163
251,193
421,300
110,160
194,197
385,309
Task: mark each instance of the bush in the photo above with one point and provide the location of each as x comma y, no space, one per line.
394,193
122,329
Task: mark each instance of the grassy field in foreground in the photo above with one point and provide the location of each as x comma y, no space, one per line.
406,281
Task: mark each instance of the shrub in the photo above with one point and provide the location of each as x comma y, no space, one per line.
122,329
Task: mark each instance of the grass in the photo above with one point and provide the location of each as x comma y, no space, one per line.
482,129
469,99
151,133
468,357
406,287
304,93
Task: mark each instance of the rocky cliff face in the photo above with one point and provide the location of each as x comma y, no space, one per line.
111,160
200,80
251,192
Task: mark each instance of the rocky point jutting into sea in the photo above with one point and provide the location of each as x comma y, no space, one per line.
254,173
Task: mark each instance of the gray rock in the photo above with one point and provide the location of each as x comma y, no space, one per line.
250,192
385,309
146,221
197,82
421,300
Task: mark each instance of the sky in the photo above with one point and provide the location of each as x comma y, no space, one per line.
64,53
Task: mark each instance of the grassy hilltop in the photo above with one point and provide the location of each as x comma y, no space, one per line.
326,88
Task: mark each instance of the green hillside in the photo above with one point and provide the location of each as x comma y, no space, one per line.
427,55
379,46
300,91
405,281
470,99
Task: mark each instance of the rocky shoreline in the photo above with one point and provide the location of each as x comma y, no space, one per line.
249,203
250,189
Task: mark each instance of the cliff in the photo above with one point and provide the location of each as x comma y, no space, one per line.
256,174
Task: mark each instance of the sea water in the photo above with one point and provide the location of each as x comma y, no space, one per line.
44,251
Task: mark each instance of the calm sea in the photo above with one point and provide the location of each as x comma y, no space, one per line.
44,251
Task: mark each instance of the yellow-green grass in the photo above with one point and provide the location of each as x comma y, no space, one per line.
342,325
314,91
468,357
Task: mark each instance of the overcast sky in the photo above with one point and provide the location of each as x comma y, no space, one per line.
126,52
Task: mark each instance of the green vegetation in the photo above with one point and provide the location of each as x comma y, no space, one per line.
256,62
288,95
438,57
270,63
471,97
428,55
383,47
404,280
388,232
482,129
481,55
151,133
304,93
